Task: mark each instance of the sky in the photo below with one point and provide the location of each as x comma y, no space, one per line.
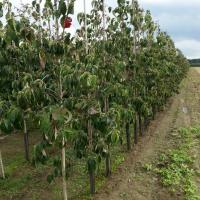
179,18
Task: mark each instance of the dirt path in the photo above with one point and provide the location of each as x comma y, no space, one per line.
131,182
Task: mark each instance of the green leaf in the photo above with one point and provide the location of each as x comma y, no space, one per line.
80,17
50,178
38,8
1,25
62,7
6,126
1,13
91,80
69,134
14,114
48,4
70,9
62,19
45,123
1,5
91,163
115,136
33,3
121,2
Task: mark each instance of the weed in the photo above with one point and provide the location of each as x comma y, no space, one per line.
148,167
175,168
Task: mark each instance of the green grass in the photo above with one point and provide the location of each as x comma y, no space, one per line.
23,178
15,164
175,168
11,187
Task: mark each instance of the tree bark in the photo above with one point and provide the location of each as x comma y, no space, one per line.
146,122
135,131
140,125
92,182
108,164
90,141
153,111
128,137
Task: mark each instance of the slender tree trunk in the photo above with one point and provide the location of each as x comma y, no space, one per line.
92,182
26,141
128,136
108,164
106,101
136,131
146,122
91,172
108,156
89,123
63,152
154,111
140,125
2,167
64,171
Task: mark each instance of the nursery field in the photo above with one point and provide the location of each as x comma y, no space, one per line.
130,179
94,105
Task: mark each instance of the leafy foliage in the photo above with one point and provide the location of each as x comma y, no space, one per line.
82,99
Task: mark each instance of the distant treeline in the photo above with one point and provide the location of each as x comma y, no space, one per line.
194,62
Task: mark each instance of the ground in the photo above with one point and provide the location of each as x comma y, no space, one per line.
129,181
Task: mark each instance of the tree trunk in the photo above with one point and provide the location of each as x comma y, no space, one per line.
154,111
108,164
135,131
26,142
64,171
128,137
146,122
92,181
2,167
140,125
90,141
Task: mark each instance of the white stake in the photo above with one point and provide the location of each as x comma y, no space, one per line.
1,166
64,171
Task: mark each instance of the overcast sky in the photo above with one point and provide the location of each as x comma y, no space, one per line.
180,18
